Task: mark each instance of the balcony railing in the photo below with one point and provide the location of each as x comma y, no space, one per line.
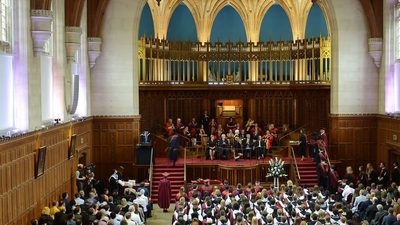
301,61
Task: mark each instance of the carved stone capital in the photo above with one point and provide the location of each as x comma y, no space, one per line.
94,49
375,49
41,28
72,42
5,47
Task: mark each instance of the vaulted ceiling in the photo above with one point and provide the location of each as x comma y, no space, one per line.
205,11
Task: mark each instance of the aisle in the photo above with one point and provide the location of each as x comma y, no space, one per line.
159,217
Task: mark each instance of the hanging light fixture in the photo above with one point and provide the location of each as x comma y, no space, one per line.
158,2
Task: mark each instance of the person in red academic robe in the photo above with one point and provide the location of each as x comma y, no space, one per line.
169,128
269,139
179,126
323,168
213,127
333,179
164,192
324,138
193,127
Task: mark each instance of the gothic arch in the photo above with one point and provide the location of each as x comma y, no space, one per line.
324,8
191,15
309,21
138,14
141,17
225,32
286,6
287,15
161,15
240,9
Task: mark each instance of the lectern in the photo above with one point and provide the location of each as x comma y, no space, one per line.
143,154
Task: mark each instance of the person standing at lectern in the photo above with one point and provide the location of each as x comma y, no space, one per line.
164,192
145,137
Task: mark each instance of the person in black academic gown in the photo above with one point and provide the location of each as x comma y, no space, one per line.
383,175
396,173
303,144
259,145
173,147
211,147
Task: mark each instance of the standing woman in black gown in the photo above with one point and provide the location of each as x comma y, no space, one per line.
173,147
303,144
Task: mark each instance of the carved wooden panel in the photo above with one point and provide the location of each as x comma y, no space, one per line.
353,140
296,107
21,195
194,172
388,138
114,143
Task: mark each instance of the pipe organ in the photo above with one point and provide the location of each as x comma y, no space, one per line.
300,61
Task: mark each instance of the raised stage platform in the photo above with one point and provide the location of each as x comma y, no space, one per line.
241,171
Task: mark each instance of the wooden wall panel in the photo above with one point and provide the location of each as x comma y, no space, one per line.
388,130
114,144
352,140
22,196
238,174
295,107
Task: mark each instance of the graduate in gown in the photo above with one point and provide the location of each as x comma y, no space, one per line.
173,147
164,192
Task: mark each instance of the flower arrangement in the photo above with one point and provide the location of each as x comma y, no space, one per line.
276,169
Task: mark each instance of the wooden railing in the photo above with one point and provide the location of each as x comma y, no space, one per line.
185,144
294,164
234,63
151,170
290,133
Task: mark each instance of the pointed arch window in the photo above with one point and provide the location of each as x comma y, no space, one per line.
5,25
397,29
392,85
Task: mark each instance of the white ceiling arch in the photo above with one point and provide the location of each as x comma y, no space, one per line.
252,13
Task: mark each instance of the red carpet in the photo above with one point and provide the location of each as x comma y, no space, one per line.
176,177
308,173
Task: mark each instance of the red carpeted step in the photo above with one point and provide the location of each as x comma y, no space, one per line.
308,173
176,178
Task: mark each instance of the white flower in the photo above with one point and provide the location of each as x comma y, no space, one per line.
276,168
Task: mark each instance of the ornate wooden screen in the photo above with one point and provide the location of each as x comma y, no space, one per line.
301,61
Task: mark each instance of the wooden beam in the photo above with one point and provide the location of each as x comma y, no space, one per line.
96,9
41,4
373,10
73,12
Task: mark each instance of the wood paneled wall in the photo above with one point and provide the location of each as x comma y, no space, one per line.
22,196
357,140
114,144
388,138
353,140
295,107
